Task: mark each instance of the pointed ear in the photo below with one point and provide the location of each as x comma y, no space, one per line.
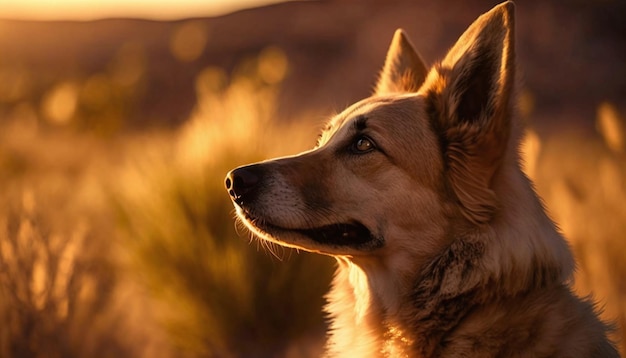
469,95
404,69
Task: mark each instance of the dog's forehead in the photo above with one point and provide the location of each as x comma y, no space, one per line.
379,111
363,108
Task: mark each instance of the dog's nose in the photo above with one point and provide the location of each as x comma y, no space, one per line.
241,182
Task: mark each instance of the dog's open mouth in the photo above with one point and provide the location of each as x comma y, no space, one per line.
342,234
339,234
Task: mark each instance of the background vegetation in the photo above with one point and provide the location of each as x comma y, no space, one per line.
127,245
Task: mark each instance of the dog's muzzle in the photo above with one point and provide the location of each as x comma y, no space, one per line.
244,185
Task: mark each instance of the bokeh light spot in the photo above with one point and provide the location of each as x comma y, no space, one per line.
526,103
610,126
59,104
129,64
14,83
273,65
210,80
188,41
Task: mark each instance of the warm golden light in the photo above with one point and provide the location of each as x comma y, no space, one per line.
531,146
116,233
610,126
97,9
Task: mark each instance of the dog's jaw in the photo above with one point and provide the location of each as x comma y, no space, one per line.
331,239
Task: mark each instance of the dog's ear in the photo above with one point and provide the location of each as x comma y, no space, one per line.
404,69
469,96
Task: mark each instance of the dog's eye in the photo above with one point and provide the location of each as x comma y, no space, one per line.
363,145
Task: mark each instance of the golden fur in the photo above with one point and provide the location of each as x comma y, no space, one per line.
443,247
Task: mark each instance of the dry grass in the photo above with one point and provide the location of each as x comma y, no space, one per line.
215,289
60,292
580,176
124,245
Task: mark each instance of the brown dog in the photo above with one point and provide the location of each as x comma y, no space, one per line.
443,247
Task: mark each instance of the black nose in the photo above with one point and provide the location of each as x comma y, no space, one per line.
241,183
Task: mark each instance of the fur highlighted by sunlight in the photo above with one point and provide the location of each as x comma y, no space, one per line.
443,247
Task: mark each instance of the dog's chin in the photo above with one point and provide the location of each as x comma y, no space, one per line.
326,238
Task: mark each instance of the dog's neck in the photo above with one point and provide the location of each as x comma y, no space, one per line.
361,306
379,311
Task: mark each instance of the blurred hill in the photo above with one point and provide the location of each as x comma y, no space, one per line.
571,56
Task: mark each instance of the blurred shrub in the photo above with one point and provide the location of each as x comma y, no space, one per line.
62,290
581,177
58,293
218,295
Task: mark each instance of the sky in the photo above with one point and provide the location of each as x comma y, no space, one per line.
97,9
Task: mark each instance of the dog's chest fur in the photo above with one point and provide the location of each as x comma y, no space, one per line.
454,308
384,314
361,325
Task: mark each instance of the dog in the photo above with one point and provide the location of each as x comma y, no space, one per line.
443,247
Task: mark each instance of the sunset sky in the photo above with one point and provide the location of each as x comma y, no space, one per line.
96,9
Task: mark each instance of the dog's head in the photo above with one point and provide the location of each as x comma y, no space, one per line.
393,172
